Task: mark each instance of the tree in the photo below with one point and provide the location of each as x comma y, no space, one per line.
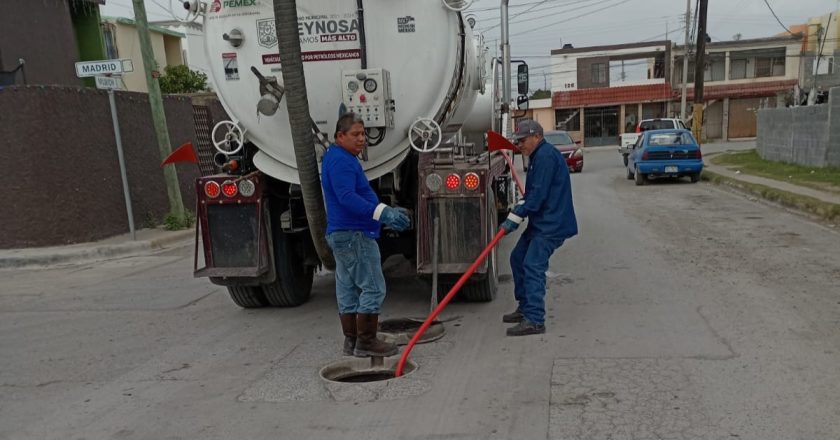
541,94
180,79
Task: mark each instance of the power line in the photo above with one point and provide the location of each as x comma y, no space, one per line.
777,17
571,18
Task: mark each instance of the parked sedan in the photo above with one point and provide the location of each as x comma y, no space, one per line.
665,153
571,150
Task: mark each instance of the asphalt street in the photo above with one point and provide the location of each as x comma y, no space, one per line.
682,311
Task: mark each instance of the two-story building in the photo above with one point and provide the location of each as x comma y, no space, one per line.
820,52
600,92
740,77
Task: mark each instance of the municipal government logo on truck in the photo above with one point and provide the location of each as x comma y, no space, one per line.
267,32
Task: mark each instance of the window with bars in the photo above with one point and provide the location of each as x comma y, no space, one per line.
109,34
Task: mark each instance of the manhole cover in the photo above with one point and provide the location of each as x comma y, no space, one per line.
364,370
400,330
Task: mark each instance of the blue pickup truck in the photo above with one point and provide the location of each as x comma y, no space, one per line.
665,153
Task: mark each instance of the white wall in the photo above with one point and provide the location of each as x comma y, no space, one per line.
564,68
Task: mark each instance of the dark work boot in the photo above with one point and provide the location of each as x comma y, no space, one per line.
348,326
367,344
513,318
525,328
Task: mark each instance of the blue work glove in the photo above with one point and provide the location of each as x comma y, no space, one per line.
511,223
394,219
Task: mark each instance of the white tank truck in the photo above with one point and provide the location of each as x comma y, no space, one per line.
428,93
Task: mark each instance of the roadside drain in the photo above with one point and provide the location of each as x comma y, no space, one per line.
364,370
400,330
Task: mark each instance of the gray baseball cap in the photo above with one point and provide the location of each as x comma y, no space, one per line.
527,127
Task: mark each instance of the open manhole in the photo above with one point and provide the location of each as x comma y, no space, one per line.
400,330
365,370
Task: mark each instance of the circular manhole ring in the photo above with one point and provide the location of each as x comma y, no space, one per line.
400,330
362,370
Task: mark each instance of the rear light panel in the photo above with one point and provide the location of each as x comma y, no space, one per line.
226,189
247,188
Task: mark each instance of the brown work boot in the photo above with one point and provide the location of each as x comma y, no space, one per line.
367,344
348,326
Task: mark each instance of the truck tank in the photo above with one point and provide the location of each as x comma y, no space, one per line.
422,62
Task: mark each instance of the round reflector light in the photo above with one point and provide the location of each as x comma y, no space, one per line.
229,188
471,181
212,189
453,181
434,182
247,188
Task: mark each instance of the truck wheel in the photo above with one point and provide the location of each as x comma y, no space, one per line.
294,279
625,159
247,297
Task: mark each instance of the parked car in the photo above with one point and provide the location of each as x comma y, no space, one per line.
665,153
627,140
572,150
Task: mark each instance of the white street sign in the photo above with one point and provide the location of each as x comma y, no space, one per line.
94,68
109,82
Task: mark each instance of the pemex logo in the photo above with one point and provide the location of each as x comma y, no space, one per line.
217,6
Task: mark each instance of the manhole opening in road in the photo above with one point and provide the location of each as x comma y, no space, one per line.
365,370
400,330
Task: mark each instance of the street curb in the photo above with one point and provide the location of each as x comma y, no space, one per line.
821,209
55,256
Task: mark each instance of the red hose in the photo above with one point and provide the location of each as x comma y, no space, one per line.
446,300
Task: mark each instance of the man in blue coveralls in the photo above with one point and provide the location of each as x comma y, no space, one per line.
354,217
551,220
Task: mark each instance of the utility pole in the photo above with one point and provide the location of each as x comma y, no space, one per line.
699,71
683,114
173,191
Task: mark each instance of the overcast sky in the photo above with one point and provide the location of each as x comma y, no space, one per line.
548,24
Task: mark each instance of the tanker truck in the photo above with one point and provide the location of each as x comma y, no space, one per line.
428,92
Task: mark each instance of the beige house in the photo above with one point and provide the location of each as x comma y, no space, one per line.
122,41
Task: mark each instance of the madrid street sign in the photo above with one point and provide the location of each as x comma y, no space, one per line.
104,67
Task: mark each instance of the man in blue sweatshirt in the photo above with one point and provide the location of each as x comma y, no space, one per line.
551,220
354,217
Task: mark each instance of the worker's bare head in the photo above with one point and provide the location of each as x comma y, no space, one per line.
350,133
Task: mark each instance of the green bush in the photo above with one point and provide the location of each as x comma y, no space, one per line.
180,79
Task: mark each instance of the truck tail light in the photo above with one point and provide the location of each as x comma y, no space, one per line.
453,181
247,188
434,182
229,188
212,189
471,181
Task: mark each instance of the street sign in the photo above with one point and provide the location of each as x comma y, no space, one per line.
93,68
109,82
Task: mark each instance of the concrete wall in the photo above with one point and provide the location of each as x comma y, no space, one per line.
61,171
803,135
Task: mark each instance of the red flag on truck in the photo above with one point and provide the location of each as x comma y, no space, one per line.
184,153
496,141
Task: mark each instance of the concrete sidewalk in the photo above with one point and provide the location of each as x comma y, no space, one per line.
823,196
148,240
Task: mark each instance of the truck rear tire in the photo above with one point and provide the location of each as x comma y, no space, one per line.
247,297
293,285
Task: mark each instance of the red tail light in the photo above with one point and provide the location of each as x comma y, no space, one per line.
471,181
453,181
696,154
645,155
212,189
229,188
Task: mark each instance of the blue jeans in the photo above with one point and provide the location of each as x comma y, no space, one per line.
528,262
359,282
